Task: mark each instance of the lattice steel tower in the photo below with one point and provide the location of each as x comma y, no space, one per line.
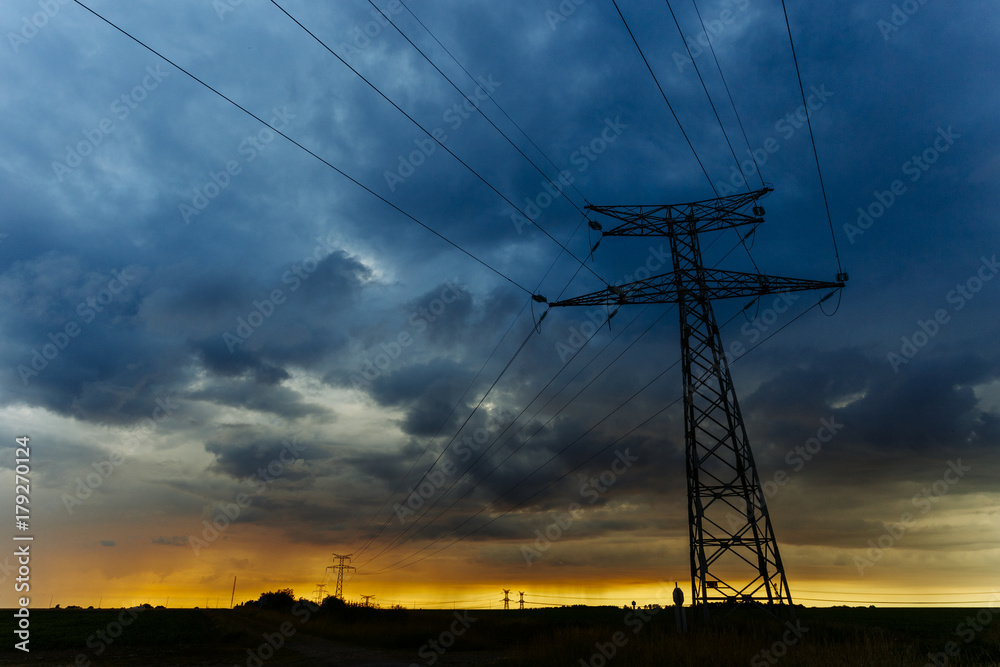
734,554
340,567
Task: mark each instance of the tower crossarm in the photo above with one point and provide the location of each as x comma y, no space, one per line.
707,284
708,215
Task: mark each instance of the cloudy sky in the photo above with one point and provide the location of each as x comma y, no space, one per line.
203,317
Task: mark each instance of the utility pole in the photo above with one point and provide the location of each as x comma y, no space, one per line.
506,598
340,567
521,593
232,596
320,593
367,600
734,555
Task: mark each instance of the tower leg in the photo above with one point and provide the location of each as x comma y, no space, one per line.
734,554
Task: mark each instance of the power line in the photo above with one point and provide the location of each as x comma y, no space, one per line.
431,136
506,115
537,469
476,106
726,85
313,154
664,95
430,441
399,564
994,593
458,402
707,94
812,138
717,118
496,467
426,472
896,602
394,544
473,412
299,145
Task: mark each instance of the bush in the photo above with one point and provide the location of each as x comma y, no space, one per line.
280,600
333,604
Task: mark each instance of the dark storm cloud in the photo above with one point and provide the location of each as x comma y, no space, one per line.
263,397
929,409
242,451
201,326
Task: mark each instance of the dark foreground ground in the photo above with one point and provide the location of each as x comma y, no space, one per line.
572,636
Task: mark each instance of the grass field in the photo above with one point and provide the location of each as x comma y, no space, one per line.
572,636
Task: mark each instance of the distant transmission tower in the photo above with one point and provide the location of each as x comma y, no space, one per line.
521,603
506,598
734,555
340,567
320,593
367,600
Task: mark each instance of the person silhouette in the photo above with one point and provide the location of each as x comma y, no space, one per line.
679,614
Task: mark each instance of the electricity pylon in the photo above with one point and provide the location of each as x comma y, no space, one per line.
340,567
521,603
367,600
734,554
320,593
506,598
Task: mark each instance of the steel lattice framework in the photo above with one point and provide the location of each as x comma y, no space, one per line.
340,567
734,554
